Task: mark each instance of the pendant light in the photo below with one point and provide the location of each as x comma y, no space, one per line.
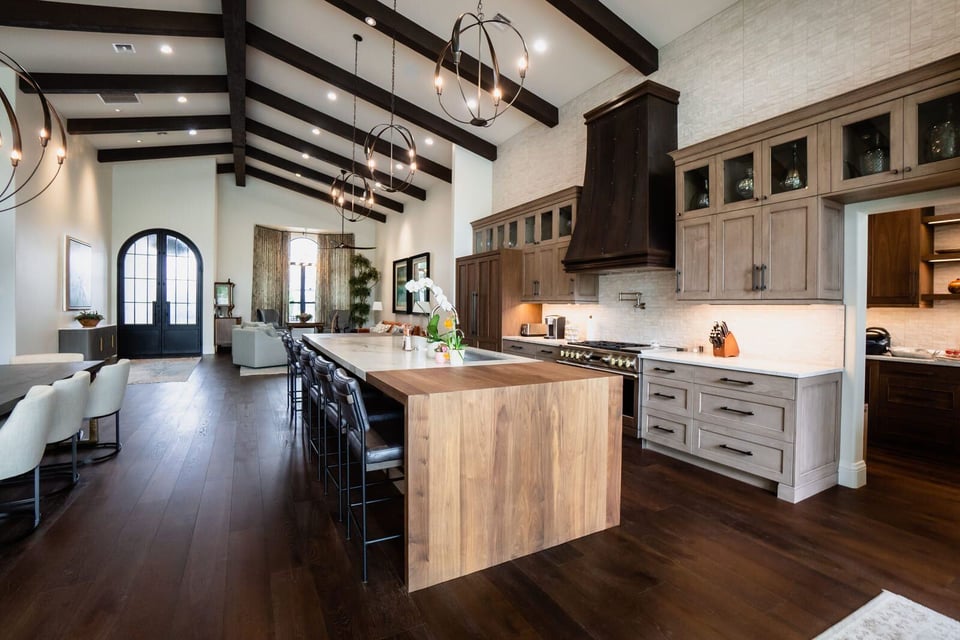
350,191
473,94
389,132
50,118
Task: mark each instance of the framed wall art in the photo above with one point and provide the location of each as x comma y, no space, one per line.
420,268
78,274
401,297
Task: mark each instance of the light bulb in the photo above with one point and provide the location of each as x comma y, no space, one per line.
413,166
61,154
372,163
44,133
438,83
411,153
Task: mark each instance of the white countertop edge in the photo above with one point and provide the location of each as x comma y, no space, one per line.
553,342
943,362
747,364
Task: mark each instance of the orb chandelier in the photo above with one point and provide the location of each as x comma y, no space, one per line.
350,192
388,133
50,119
473,94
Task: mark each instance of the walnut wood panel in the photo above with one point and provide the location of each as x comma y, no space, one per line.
896,273
504,462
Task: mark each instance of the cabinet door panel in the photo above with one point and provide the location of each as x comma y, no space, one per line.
854,134
895,274
531,275
738,255
789,267
696,242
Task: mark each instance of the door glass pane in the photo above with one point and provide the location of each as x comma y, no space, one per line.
788,166
866,147
529,230
546,226
181,274
938,129
512,234
738,179
478,242
500,236
139,281
566,221
696,188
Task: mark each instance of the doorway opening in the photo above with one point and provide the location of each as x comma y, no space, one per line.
159,293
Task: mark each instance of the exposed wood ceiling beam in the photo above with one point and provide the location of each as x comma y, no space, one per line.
607,27
339,128
302,189
64,16
158,153
414,37
282,163
58,83
235,46
81,126
295,143
366,91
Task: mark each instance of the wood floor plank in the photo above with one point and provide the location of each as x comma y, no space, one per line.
211,524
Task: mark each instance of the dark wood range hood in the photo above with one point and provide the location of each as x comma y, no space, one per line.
626,214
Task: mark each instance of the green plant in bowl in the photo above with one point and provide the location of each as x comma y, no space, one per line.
89,318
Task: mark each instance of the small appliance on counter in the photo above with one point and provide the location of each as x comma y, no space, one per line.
555,326
533,329
878,341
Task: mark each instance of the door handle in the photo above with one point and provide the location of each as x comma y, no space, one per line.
736,411
735,450
678,281
659,428
735,381
664,395
756,274
572,287
763,277
474,311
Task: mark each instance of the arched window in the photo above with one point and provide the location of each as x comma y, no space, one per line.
303,277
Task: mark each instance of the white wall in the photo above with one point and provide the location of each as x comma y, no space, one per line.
180,195
423,227
240,209
76,204
472,196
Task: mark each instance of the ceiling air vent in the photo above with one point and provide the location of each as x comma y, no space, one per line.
121,47
119,97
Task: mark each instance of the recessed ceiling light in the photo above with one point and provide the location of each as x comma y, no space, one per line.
192,132
370,20
139,141
117,109
305,156
428,141
181,99
399,167
122,47
540,45
298,175
331,95
315,131
166,49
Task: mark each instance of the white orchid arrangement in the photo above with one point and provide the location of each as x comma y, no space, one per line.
452,338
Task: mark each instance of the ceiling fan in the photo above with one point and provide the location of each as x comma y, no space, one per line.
344,245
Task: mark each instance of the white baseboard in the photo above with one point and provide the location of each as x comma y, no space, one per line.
853,475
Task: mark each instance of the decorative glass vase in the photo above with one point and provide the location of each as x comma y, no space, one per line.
745,186
875,159
942,138
702,199
793,180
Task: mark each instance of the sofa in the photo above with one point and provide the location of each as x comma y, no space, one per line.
258,344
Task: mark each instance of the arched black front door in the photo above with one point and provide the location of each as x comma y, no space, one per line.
160,278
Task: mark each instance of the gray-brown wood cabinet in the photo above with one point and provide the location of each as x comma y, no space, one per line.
95,343
791,250
751,426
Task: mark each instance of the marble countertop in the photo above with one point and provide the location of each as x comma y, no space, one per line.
537,340
362,353
751,364
942,362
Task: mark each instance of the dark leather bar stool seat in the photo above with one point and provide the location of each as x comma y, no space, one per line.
310,415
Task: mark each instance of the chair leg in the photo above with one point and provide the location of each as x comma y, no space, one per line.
75,475
363,518
346,488
36,497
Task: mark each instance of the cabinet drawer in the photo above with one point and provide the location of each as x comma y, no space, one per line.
668,370
768,385
762,460
671,431
667,395
771,417
531,350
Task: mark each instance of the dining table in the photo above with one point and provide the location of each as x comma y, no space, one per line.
16,379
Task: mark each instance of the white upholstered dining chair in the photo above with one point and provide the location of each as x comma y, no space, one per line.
23,437
106,398
71,406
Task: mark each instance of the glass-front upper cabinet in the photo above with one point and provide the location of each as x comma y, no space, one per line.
565,220
790,167
739,183
867,146
694,189
931,135
483,240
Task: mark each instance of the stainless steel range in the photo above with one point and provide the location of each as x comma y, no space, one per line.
615,357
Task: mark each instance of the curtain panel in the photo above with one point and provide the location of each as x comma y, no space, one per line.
271,271
334,269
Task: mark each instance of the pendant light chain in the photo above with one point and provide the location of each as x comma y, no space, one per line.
348,183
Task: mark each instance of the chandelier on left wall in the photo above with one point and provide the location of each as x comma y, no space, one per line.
11,187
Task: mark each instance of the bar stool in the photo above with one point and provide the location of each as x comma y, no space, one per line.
295,389
309,416
375,449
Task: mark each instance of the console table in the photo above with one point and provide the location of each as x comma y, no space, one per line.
223,331
95,343
300,328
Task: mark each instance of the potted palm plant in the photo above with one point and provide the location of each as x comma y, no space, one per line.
364,277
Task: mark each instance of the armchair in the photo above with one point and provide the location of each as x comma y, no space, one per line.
256,347
270,316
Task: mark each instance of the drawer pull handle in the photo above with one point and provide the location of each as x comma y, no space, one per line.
659,428
735,450
664,370
746,383
550,351
737,411
664,395
517,347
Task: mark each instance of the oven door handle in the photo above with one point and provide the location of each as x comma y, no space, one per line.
625,374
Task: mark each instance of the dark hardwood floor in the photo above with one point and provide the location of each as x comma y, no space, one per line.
210,524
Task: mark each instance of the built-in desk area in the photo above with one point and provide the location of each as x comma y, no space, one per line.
504,456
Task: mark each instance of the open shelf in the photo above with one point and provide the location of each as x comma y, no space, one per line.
943,218
953,256
929,297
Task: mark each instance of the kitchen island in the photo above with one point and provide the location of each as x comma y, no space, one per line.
504,456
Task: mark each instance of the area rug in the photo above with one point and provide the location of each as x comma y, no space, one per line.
893,617
152,370
263,371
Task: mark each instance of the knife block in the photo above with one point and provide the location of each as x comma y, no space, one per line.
729,348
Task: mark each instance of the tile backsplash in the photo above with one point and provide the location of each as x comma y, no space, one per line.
806,333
